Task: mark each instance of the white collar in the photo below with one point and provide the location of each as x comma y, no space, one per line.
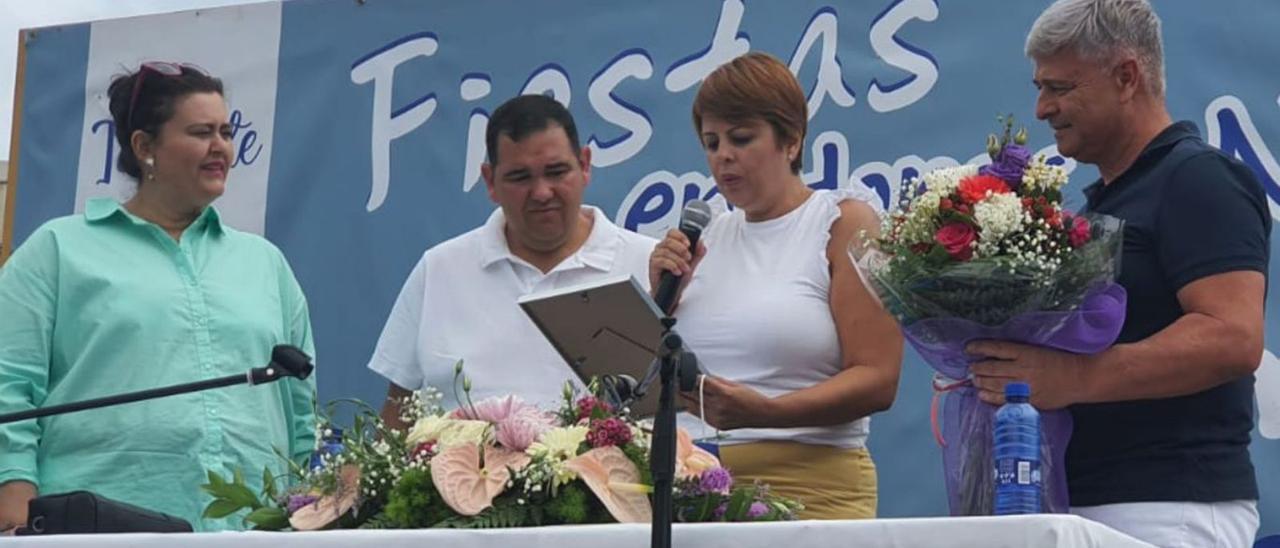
599,251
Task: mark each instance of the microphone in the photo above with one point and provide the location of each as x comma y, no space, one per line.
693,219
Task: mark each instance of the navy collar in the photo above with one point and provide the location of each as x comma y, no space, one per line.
1155,150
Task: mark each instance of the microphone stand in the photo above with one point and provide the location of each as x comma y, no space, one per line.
675,366
111,516
286,361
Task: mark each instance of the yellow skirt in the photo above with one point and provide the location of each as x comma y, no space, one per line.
831,482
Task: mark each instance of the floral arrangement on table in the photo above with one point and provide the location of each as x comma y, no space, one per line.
497,462
987,252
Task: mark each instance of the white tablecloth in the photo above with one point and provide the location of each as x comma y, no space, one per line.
984,532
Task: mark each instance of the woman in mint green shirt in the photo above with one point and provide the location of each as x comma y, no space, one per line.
154,292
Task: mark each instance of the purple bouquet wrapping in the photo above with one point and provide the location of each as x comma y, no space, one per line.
988,253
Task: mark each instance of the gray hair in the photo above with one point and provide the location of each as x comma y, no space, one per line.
1098,30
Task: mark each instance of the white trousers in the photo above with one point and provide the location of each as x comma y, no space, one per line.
1230,524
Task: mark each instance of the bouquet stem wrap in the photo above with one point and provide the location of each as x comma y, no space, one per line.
966,422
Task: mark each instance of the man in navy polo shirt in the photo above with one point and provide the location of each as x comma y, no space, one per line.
1163,418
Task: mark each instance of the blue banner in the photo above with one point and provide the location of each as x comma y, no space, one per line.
359,129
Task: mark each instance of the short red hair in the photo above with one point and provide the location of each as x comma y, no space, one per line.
755,86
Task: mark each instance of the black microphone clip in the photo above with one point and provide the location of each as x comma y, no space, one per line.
286,361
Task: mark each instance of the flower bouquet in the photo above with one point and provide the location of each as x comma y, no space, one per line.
988,253
498,462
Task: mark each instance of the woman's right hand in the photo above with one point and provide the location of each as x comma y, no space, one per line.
14,497
672,255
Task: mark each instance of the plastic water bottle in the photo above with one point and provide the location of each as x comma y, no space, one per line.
1017,453
330,446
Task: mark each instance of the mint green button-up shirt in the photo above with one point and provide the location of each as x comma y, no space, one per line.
104,303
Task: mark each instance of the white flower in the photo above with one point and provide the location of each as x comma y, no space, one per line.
559,443
919,223
426,430
640,438
998,215
945,180
461,432
447,432
561,475
1040,175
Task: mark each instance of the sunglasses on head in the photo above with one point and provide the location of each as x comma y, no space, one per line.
162,68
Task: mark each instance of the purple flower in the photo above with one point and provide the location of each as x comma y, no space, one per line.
494,410
296,502
1009,165
757,509
516,424
715,480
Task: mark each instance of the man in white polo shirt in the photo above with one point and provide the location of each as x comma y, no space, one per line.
459,302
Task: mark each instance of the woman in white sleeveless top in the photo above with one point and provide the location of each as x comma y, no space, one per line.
798,353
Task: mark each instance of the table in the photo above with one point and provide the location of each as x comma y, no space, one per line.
1044,530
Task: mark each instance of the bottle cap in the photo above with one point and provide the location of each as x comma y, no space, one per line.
1016,389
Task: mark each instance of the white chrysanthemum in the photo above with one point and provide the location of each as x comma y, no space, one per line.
998,215
558,443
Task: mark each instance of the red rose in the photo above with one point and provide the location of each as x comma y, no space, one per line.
957,238
1079,231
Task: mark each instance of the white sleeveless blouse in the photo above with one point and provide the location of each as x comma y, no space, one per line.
758,312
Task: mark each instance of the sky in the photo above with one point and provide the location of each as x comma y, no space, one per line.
20,14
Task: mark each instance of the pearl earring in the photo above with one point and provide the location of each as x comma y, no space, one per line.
151,163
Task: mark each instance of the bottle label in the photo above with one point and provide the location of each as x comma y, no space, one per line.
1017,472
